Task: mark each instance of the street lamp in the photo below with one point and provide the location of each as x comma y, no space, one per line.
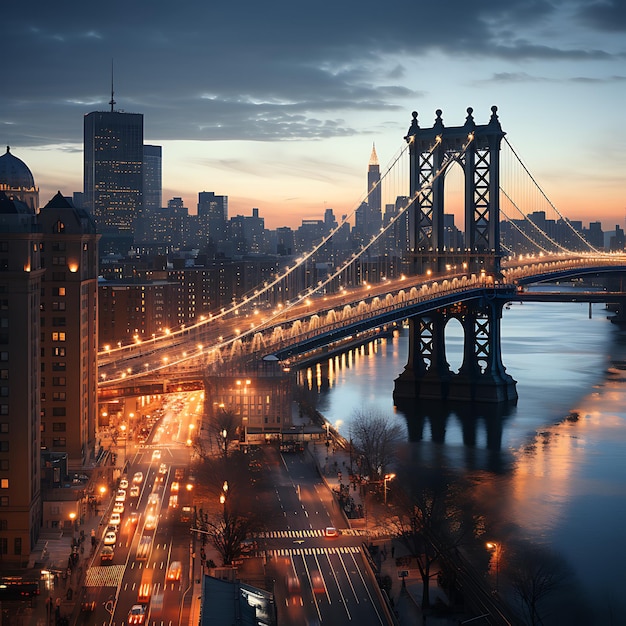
224,434
386,479
492,545
123,428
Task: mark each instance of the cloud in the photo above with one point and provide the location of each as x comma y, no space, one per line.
262,71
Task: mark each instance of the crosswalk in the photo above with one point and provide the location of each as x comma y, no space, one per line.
105,576
302,534
310,551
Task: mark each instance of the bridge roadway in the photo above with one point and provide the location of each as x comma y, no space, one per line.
314,321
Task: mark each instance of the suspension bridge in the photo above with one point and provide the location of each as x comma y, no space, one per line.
416,267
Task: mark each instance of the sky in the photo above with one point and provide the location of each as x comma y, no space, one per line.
277,104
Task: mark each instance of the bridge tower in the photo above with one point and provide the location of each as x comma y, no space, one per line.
476,148
427,375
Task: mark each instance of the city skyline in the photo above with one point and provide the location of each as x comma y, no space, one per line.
280,112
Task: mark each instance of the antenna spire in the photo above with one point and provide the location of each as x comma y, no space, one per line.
112,102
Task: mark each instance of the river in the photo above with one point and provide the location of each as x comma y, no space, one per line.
553,465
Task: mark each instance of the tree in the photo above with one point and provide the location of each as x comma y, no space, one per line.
540,578
233,511
427,524
375,438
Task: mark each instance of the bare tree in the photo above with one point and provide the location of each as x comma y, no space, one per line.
538,577
375,438
427,524
233,512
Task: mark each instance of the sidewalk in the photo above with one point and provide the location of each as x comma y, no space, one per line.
389,557
61,594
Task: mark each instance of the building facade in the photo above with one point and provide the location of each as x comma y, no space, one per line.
113,175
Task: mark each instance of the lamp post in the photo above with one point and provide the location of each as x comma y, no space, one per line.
224,434
386,479
123,428
492,545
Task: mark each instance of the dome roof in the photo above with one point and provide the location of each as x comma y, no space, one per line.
14,172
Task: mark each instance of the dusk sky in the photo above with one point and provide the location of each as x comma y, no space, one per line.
277,104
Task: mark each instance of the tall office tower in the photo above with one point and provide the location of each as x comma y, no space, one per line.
213,215
374,197
113,175
69,331
152,178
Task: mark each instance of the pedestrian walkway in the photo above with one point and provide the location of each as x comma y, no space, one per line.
63,585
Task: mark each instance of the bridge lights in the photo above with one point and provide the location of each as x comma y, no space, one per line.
492,545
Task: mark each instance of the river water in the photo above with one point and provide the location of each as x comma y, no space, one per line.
553,465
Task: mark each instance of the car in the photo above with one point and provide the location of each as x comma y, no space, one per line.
115,519
153,499
124,483
175,486
317,582
118,508
110,539
106,554
134,491
156,454
120,496
138,478
150,522
162,468
174,571
137,614
293,583
133,518
331,531
173,502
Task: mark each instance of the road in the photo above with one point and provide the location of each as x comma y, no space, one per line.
151,536
317,578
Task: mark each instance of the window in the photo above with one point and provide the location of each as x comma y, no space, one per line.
4,304
4,374
58,396
58,246
4,483
58,306
58,366
58,351
58,442
59,291
4,356
4,409
4,465
58,427
4,427
4,524
17,545
4,500
4,446
4,392
58,381
4,545
58,321
58,411
58,336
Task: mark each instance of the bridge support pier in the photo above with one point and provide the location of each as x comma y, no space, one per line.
481,378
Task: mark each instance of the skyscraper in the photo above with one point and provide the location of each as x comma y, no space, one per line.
152,178
113,175
374,195
213,215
